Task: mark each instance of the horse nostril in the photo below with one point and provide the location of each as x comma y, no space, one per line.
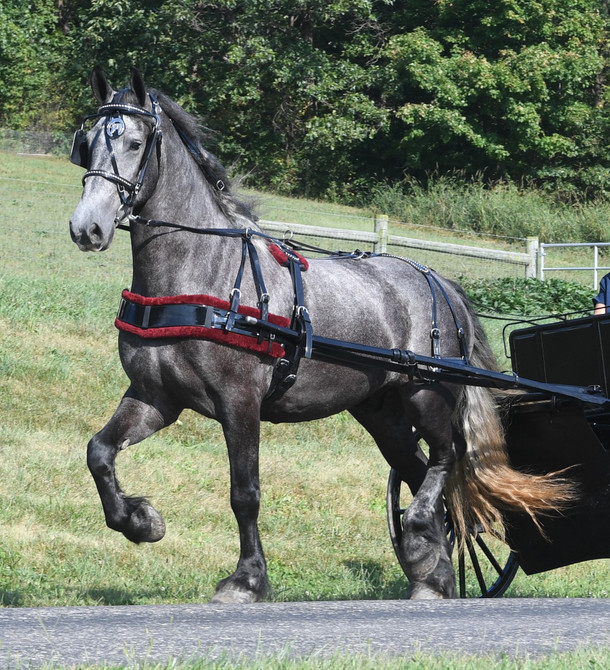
95,232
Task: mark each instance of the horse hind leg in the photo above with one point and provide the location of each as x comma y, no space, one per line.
133,421
384,418
425,545
426,553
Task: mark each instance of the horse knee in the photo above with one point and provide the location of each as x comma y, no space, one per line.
245,501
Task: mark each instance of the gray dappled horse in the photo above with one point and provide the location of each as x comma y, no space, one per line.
145,164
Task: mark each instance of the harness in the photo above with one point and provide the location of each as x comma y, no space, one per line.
228,321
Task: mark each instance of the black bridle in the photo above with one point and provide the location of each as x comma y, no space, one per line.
114,127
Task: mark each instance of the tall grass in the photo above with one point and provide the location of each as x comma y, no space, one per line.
501,209
323,505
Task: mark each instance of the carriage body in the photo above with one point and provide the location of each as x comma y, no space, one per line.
550,434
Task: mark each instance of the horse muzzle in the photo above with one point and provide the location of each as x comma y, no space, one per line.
91,236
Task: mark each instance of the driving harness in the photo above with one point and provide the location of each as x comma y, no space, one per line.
228,321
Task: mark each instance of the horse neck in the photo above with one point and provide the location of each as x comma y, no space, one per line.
167,261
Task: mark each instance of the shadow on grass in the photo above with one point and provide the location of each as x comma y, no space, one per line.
10,598
375,582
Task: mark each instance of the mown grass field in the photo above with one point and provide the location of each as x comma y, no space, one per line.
323,508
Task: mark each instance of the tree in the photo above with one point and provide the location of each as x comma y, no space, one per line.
323,98
31,56
514,89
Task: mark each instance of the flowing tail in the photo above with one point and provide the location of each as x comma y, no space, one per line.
484,484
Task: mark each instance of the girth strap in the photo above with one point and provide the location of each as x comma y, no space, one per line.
285,371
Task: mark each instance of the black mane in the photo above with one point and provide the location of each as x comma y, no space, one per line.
194,134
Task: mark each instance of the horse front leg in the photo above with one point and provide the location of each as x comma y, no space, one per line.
249,583
133,421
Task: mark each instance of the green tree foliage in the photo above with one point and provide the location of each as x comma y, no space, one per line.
326,98
30,60
514,88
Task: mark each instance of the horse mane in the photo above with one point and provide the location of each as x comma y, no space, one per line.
214,171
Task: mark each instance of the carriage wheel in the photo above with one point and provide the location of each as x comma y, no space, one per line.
487,567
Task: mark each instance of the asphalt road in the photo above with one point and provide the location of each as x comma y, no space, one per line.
30,637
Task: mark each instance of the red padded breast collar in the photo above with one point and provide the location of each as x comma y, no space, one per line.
132,301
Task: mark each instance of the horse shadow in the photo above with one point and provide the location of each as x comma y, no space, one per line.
375,582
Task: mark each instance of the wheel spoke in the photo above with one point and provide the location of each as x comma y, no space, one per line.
490,557
462,573
477,567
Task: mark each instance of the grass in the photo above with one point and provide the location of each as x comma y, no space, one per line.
323,508
579,660
502,209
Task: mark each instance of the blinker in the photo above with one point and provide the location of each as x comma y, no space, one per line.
79,154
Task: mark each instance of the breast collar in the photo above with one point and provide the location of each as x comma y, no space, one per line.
228,321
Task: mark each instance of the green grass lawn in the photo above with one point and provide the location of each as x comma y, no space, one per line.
323,507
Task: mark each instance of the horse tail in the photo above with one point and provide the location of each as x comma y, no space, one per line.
484,484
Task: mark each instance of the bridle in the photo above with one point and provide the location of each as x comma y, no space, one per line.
113,128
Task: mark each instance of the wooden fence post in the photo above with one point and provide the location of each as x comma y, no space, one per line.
533,248
381,228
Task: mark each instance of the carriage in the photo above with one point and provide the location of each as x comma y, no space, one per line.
238,326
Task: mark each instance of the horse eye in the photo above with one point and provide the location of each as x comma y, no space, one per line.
135,145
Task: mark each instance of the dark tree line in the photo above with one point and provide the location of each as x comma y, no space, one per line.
327,97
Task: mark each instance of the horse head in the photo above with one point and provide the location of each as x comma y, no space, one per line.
115,147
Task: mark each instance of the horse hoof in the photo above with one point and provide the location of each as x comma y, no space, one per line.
423,592
145,525
234,597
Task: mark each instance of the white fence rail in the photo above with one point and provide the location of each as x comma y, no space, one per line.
595,267
379,241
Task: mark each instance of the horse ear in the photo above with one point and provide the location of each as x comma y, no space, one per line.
138,86
101,88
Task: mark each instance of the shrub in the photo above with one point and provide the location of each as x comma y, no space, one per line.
527,297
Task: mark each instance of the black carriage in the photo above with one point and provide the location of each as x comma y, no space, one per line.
547,429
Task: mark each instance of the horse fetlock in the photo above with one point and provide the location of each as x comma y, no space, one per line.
422,559
431,575
144,524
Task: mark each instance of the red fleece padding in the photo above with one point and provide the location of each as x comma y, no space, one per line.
202,299
215,335
282,258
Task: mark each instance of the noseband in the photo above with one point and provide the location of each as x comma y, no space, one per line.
113,128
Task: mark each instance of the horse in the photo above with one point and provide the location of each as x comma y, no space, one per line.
203,270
